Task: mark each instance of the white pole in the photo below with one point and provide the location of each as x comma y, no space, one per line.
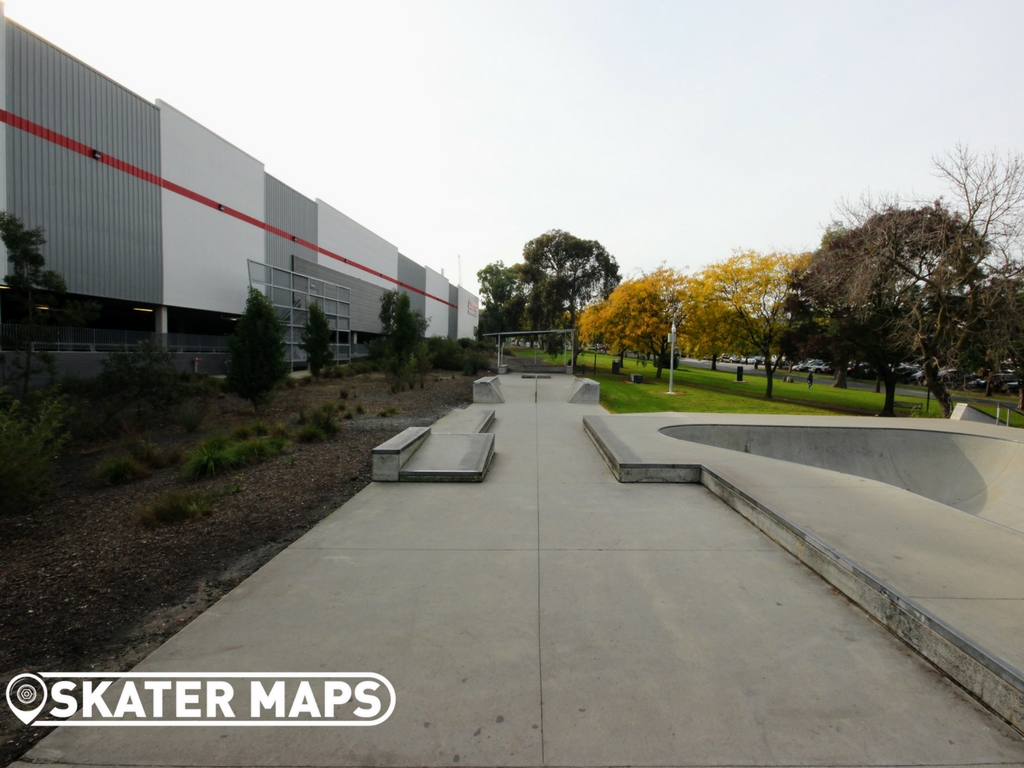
671,358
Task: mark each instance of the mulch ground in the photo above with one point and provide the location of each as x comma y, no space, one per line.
85,586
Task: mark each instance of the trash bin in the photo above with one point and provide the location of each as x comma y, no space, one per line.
739,373
616,367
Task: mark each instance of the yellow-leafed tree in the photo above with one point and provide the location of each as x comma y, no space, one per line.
754,287
639,314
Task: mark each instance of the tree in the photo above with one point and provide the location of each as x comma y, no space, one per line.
755,288
843,312
316,340
504,298
639,313
257,351
562,274
709,321
404,330
36,293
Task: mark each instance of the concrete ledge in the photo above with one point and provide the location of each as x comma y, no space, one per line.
389,457
468,421
487,390
451,458
586,391
627,467
967,412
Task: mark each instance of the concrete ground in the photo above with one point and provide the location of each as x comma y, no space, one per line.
552,616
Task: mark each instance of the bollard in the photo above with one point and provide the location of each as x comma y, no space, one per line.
739,373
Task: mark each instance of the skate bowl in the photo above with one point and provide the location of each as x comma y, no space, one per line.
972,473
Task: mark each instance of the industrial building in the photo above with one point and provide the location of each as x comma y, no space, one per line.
167,224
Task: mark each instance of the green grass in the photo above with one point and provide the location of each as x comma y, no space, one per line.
719,392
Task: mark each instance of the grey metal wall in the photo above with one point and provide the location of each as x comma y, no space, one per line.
292,212
102,225
364,297
411,273
453,312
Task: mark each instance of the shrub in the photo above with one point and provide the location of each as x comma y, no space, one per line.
257,350
347,415
176,507
191,415
385,412
311,434
323,418
218,454
28,443
144,374
343,393
280,430
209,458
316,340
445,354
359,408
472,364
118,470
242,432
259,428
143,451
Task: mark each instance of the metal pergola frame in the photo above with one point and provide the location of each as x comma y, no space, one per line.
570,331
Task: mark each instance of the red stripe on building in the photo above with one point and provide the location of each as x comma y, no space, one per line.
76,146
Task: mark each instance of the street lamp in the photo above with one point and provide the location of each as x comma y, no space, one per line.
671,357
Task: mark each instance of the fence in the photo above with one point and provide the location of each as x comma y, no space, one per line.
53,339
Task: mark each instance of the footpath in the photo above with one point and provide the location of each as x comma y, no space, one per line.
551,615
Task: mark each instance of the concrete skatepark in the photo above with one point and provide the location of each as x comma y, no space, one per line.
598,600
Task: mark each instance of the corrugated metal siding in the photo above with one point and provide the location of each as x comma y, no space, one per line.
453,312
411,273
364,298
292,212
102,226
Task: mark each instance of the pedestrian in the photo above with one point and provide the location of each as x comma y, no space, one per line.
810,378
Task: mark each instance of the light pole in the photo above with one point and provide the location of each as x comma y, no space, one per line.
671,357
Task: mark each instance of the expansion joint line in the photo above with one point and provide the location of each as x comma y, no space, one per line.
540,652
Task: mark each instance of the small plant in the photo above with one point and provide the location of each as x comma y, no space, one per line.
176,507
242,432
259,428
359,408
290,383
301,419
343,393
118,470
143,451
306,381
385,412
190,416
280,430
311,434
236,486
347,415
209,458
323,418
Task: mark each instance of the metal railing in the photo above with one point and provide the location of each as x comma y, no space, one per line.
55,339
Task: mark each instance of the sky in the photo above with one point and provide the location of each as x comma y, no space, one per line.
672,132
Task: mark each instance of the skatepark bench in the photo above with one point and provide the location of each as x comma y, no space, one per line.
389,457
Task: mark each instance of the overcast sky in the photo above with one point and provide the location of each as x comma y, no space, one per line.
670,131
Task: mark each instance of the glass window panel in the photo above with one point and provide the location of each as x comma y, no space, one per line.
344,294
342,324
316,287
285,314
300,300
282,279
282,297
300,283
259,273
298,318
330,307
